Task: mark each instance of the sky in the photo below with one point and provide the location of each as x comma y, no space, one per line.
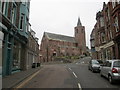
61,16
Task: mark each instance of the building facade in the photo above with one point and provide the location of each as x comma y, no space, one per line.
14,26
32,49
92,42
105,45
56,45
116,32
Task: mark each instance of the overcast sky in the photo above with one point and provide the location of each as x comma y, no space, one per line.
61,16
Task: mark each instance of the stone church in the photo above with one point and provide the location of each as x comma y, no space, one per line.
56,45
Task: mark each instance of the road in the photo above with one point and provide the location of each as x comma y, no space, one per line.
74,75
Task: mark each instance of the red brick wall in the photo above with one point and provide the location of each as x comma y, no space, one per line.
80,38
61,48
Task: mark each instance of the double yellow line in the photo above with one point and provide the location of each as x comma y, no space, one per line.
25,81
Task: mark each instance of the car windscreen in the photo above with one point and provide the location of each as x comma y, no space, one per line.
100,61
116,64
95,62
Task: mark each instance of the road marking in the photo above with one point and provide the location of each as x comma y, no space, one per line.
80,88
74,74
26,81
70,69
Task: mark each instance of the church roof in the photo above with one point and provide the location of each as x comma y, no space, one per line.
59,37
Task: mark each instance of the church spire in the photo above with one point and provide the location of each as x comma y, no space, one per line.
79,22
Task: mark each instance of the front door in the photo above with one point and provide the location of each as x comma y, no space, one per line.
8,61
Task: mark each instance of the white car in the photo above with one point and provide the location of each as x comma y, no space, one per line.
111,70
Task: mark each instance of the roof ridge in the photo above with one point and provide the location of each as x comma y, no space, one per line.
59,34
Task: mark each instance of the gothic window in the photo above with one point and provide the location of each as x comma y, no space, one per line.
76,30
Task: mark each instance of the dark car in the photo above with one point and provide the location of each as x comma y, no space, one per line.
94,66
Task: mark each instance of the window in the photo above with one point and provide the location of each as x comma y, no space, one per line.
101,22
76,30
113,4
13,14
108,54
103,37
116,64
27,25
54,54
28,5
24,3
16,55
116,24
118,1
108,13
22,22
82,31
4,7
110,34
76,44
108,64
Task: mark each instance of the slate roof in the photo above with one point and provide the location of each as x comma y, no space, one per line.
59,37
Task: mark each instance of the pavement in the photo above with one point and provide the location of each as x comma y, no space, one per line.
16,78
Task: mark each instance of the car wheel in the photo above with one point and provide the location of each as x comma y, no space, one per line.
110,79
93,70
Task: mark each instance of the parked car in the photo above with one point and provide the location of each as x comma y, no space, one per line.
100,63
111,70
94,65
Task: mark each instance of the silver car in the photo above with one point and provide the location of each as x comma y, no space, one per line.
94,65
111,70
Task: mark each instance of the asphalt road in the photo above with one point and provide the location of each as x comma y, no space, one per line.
75,75
52,76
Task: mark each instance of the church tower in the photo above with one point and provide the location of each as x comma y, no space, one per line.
80,37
